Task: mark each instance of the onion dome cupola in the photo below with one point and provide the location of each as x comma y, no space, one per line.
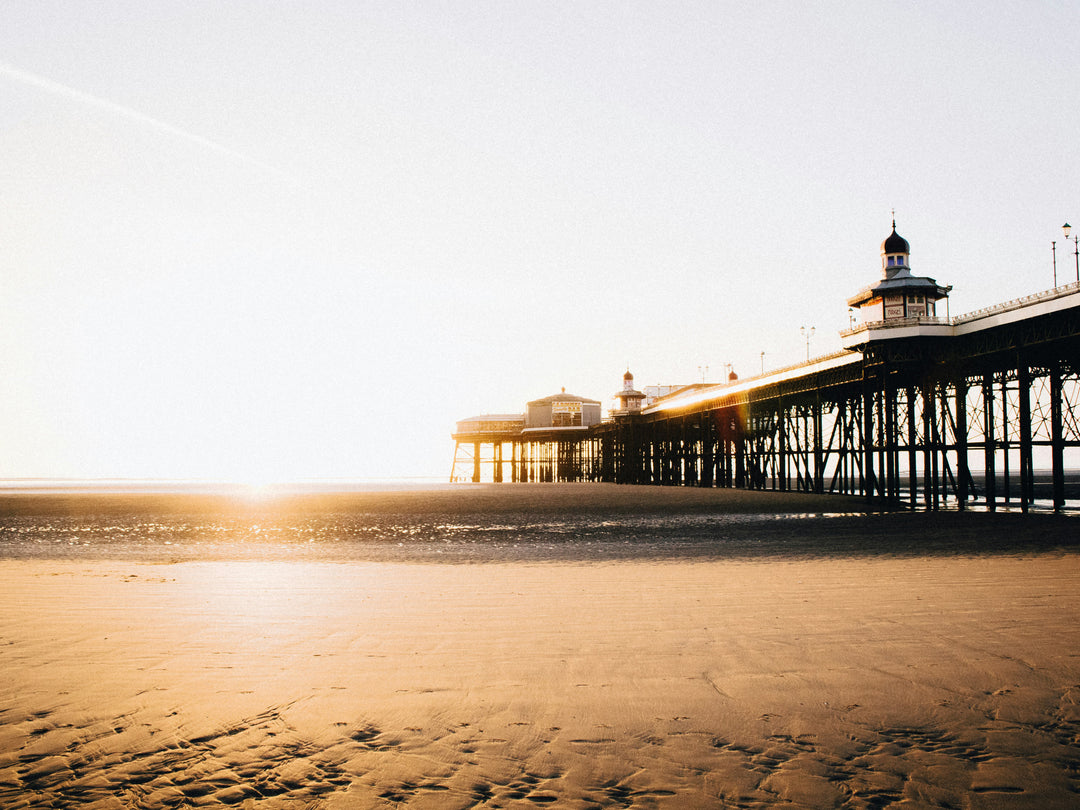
895,253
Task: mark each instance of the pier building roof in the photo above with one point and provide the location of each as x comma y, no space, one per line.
900,282
490,424
563,397
493,418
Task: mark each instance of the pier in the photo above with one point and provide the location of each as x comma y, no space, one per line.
917,410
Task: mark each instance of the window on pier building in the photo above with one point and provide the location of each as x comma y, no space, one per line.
566,419
566,414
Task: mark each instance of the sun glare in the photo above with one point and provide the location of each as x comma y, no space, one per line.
257,490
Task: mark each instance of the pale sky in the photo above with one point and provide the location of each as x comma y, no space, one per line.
279,240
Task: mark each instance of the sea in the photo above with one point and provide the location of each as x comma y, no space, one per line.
428,521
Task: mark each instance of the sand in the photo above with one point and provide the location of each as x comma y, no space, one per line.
902,673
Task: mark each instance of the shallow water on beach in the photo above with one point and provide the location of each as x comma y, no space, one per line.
400,537
517,523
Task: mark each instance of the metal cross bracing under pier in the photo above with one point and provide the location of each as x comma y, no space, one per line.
894,435
920,417
982,409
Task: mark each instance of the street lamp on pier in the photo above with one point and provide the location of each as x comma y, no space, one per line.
1067,229
807,333
1053,251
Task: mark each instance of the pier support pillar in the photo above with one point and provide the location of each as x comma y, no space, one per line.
912,447
708,451
962,472
819,456
991,446
928,411
890,468
1027,484
1057,441
867,471
782,445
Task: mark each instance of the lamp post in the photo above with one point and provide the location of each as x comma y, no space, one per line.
808,333
1053,250
1067,229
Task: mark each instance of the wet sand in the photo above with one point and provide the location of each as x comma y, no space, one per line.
873,661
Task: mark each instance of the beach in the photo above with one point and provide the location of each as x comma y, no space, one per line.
535,645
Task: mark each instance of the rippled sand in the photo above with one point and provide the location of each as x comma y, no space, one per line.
851,661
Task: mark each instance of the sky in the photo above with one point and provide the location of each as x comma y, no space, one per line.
276,240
